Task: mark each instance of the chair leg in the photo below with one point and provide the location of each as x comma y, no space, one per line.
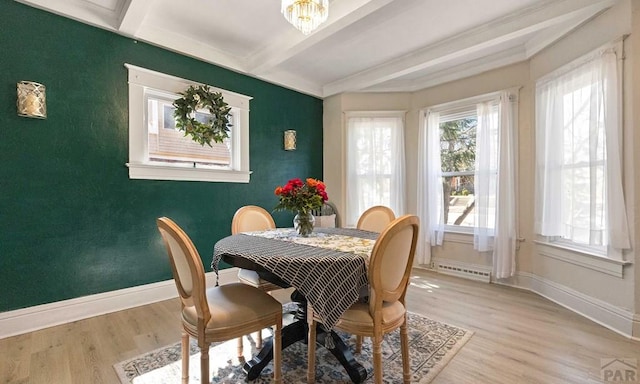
185,357
277,351
204,363
311,347
404,342
259,340
240,347
358,343
377,357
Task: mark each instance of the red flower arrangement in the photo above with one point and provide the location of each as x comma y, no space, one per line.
302,197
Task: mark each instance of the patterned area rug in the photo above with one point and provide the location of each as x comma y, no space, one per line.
431,345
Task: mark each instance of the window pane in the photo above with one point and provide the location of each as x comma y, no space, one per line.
374,164
460,203
458,144
458,154
170,145
168,121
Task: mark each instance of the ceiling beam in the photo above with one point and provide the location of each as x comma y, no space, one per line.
490,35
552,34
132,16
460,71
341,15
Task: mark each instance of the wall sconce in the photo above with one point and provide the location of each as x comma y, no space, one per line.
290,140
32,101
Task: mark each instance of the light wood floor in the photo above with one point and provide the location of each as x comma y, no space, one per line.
519,338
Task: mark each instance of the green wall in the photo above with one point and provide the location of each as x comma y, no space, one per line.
72,223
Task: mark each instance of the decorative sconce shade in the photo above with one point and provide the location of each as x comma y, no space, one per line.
32,101
290,140
306,15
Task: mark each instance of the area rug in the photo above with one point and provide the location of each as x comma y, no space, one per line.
431,346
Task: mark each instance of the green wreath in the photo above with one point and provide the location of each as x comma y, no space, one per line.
216,127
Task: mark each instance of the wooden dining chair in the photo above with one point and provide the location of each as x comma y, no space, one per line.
218,313
326,216
247,219
389,271
376,218
251,218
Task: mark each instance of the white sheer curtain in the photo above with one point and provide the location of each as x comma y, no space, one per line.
506,232
486,175
579,193
430,195
495,183
375,164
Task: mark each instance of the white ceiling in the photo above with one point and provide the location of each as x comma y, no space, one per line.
365,45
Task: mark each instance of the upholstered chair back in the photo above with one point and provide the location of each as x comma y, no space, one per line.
251,218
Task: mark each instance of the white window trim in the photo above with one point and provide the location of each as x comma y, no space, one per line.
586,257
463,103
458,235
392,113
139,165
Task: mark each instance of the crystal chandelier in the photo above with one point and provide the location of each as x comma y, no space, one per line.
306,15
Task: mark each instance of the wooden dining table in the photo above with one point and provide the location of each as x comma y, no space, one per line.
328,270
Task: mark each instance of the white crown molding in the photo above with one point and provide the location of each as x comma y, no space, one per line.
502,31
181,44
82,11
48,315
295,83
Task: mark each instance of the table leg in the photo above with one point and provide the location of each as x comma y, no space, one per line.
355,370
298,331
290,334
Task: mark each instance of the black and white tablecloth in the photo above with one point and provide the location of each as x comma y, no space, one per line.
329,267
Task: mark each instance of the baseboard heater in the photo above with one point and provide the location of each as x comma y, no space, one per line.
464,271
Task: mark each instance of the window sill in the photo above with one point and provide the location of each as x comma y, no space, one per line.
166,172
581,257
459,236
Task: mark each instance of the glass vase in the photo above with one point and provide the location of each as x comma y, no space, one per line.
303,223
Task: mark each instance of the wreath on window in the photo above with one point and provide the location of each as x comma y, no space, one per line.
203,128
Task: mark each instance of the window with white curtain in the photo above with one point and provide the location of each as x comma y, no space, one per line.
375,163
466,176
467,134
579,195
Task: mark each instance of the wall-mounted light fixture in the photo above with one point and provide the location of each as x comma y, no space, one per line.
32,100
290,140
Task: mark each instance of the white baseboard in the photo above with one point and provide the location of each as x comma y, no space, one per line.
612,317
609,316
47,315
